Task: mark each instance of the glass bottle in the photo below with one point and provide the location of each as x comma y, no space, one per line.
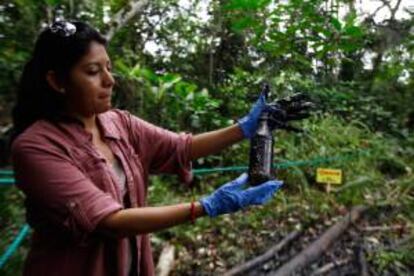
261,152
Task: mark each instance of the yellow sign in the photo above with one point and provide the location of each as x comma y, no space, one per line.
328,176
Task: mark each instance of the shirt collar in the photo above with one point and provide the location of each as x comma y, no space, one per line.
104,122
107,126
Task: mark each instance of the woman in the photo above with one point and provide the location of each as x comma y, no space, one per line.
84,166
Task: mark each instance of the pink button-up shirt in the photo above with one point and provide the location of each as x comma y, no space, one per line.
70,188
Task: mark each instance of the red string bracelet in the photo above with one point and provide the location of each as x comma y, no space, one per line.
192,212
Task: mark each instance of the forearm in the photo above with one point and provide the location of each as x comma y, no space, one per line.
144,220
214,141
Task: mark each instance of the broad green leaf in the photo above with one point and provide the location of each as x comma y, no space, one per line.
350,18
149,74
348,46
336,23
246,4
53,2
354,31
121,67
243,23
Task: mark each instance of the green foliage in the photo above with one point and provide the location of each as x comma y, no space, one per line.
396,260
12,218
181,105
296,31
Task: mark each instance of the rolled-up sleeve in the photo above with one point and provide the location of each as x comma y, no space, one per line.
63,194
163,151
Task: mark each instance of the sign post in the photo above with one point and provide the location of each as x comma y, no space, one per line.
328,177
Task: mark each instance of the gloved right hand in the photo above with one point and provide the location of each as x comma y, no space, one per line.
231,197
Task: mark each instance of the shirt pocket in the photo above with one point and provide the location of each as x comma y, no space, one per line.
133,159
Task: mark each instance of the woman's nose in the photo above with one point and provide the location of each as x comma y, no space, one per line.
108,78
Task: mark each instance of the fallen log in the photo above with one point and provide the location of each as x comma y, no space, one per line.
245,267
317,248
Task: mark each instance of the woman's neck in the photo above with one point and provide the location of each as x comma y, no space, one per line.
89,122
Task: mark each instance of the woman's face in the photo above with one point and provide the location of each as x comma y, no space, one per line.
90,84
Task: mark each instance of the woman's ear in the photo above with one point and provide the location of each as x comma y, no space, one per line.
53,82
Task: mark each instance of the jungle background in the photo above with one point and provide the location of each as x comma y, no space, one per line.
197,65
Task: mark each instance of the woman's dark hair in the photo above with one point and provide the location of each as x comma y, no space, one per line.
59,47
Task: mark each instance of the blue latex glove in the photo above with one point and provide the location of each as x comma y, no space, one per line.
231,197
248,123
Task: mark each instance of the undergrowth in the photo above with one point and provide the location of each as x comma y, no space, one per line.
375,172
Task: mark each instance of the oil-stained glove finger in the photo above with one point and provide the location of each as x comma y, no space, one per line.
297,116
299,106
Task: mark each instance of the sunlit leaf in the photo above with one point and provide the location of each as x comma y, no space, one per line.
336,23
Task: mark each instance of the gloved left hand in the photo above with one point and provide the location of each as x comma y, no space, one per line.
292,108
231,197
281,112
248,123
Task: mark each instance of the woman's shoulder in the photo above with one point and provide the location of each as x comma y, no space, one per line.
40,134
37,133
34,137
38,130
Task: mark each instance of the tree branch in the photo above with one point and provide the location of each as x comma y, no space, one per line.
395,9
318,247
245,267
328,267
377,10
121,18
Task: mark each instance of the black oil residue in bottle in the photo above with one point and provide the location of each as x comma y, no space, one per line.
261,152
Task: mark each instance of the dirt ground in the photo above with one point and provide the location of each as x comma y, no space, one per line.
354,253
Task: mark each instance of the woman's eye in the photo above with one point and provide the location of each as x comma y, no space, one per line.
93,72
